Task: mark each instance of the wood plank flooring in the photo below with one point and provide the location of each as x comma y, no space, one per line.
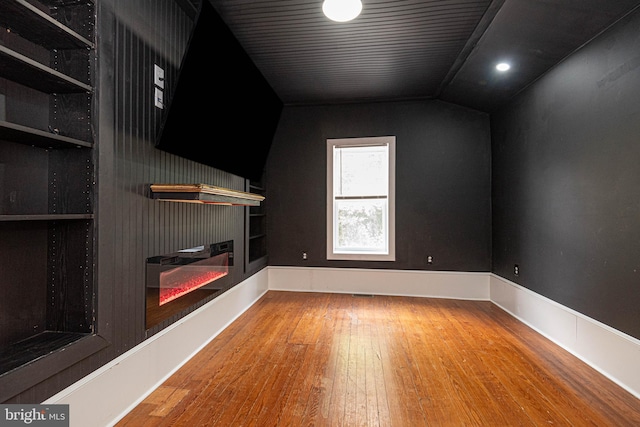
313,359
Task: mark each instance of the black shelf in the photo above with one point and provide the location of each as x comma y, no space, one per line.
33,24
255,230
35,137
46,217
27,72
35,347
64,3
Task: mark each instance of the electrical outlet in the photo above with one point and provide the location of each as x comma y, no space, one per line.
516,269
429,259
304,255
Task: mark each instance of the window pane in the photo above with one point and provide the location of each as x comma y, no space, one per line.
361,198
361,225
361,171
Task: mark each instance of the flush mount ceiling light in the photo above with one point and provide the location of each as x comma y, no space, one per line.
342,10
503,66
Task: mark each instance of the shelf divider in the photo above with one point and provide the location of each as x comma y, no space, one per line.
33,24
24,70
13,132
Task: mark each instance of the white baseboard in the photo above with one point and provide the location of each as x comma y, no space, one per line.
436,284
100,399
609,351
103,397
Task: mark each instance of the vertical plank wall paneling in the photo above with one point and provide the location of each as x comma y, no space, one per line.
144,227
132,36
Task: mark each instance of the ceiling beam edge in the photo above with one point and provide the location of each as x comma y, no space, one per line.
473,40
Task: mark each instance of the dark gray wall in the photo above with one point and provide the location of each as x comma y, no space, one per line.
566,182
442,183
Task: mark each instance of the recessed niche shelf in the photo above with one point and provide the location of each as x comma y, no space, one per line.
35,347
23,70
33,24
75,347
38,138
256,229
46,217
205,194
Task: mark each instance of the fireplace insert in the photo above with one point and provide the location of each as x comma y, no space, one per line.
180,280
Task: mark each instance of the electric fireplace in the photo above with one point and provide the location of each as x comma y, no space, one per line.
181,280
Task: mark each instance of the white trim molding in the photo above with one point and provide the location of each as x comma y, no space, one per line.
100,399
609,351
149,364
434,284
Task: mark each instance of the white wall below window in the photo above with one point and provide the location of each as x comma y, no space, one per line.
101,400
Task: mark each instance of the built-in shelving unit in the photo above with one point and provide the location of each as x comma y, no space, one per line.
256,230
47,57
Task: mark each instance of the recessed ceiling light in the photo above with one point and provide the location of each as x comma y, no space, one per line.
342,10
503,66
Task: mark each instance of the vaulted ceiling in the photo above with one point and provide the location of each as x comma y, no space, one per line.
413,49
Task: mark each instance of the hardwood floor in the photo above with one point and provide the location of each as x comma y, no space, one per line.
313,359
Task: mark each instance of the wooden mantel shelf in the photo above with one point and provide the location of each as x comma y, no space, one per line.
205,194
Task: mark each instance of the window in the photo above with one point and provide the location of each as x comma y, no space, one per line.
361,199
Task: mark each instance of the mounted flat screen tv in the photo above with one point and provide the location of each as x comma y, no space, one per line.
220,111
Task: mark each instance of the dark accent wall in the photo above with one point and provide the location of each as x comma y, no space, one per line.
566,182
132,36
442,183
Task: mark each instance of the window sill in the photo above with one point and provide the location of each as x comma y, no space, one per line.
360,257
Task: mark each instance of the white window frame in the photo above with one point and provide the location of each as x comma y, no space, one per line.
390,254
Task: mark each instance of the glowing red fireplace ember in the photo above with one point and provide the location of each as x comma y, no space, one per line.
185,279
175,287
